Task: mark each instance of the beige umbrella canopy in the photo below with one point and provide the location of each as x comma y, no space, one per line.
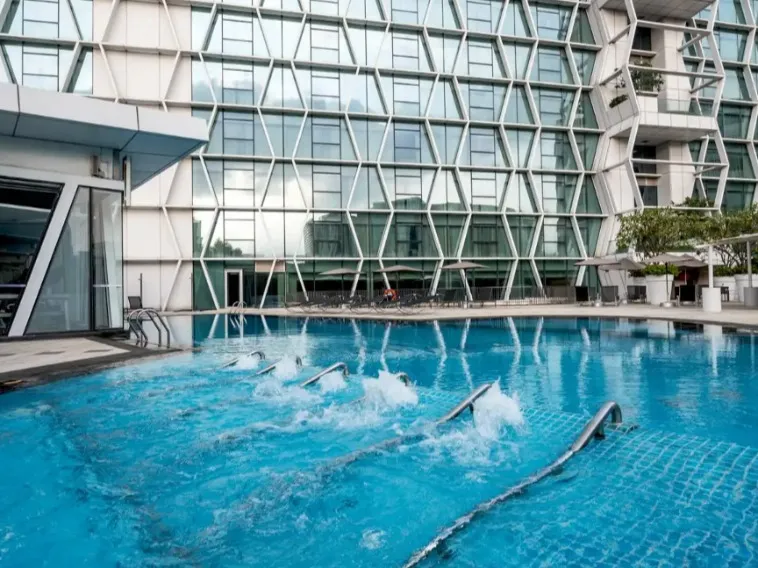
397,269
465,265
340,272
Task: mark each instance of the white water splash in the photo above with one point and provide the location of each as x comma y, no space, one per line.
273,390
247,362
494,410
286,369
372,539
332,382
388,392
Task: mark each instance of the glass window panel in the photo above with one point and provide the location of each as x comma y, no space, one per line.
555,192
442,14
552,21
410,237
520,197
63,303
733,121
557,238
587,144
518,110
522,229
735,85
517,55
585,114
448,228
444,50
739,161
515,23
554,106
554,152
551,65
448,139
368,137
731,44
520,142
585,63
444,103
486,238
446,193
368,192
582,32
107,259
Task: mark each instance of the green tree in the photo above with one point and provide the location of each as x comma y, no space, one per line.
654,231
730,224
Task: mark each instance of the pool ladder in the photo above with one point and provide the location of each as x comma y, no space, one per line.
260,354
135,320
595,428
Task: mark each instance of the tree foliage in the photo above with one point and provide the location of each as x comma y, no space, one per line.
657,230
653,231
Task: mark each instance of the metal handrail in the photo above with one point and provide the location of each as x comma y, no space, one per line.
138,331
593,429
261,355
272,366
136,316
317,377
466,403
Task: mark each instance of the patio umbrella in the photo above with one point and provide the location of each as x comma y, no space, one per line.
397,269
595,261
465,265
340,272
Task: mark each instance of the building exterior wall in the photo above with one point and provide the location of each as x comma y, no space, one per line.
355,134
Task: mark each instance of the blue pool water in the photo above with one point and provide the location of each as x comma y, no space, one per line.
174,462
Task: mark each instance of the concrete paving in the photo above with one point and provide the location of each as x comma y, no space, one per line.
34,361
732,316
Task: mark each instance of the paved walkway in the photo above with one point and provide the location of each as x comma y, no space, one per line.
28,362
734,316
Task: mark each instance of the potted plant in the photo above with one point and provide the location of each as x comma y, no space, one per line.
654,231
645,82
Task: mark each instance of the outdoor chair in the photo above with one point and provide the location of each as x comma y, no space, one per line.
582,294
609,295
636,293
687,294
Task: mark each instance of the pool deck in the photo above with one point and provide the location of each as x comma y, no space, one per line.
30,362
732,315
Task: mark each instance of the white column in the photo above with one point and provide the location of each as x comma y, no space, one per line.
710,266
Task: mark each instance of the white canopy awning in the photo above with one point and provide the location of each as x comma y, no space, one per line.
152,140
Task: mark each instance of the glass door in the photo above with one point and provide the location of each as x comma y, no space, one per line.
107,259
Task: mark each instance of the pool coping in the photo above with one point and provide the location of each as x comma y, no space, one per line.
729,318
35,376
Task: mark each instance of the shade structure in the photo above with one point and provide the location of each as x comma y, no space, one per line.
464,265
340,272
692,262
667,258
398,268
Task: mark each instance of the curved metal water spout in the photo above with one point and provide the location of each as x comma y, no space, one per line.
272,366
593,429
261,355
466,403
404,378
317,377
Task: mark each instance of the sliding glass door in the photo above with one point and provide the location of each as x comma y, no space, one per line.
82,289
107,259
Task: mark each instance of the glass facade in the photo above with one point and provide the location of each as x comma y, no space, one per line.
432,142
366,133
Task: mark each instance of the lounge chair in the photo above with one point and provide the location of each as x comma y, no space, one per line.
609,295
582,294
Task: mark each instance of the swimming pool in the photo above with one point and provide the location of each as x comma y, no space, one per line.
176,462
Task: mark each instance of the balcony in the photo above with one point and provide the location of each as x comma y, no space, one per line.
662,104
655,10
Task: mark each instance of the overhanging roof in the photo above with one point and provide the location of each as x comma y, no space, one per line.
734,240
152,140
